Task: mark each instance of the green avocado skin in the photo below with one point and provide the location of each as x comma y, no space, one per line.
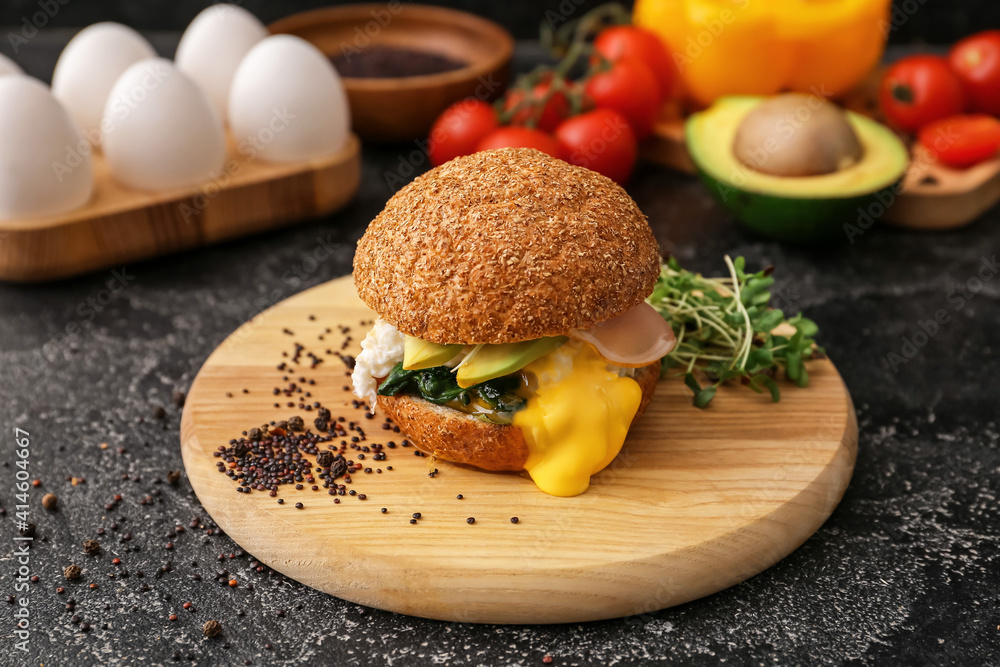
797,219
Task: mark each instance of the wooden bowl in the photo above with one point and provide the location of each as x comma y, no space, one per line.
404,108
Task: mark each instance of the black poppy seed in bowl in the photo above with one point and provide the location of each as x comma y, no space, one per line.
413,520
470,520
514,519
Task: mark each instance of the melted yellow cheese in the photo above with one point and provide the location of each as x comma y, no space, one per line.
575,423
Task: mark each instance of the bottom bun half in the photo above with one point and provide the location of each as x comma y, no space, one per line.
459,437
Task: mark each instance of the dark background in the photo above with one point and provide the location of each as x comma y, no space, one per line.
937,21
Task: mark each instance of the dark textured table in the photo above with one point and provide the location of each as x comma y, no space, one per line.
906,571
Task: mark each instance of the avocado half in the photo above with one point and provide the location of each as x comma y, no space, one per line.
797,209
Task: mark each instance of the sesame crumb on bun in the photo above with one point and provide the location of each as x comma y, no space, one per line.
503,246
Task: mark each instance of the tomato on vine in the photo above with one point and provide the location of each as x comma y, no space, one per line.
962,141
630,88
545,107
627,41
459,129
919,89
514,136
600,140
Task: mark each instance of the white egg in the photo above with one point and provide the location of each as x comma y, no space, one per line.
213,46
45,166
287,102
160,131
89,66
8,66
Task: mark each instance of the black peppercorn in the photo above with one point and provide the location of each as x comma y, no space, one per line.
212,628
91,547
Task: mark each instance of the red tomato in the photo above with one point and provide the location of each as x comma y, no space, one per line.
459,129
556,108
601,140
962,141
522,137
920,89
631,89
976,60
626,41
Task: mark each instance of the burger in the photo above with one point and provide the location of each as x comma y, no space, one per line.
513,332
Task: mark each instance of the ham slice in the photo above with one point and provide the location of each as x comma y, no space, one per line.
637,337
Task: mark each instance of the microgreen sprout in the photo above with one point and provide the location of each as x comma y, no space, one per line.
726,330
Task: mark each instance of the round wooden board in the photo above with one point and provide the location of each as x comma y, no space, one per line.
697,501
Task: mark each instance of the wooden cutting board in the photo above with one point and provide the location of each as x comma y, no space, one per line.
120,225
697,501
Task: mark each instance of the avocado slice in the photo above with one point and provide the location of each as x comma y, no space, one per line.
798,209
419,354
493,361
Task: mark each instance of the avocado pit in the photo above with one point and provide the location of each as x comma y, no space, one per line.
796,135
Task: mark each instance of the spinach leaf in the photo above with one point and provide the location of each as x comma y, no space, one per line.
439,385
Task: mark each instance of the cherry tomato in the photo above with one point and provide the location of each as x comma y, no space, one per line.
920,89
626,41
631,89
962,141
555,109
522,137
459,129
601,140
976,60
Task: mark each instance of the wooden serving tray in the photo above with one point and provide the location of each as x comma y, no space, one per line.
697,501
933,196
120,225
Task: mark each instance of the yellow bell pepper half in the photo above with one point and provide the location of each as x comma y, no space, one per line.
761,47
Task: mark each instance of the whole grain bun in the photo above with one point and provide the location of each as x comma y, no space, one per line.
504,246
456,436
